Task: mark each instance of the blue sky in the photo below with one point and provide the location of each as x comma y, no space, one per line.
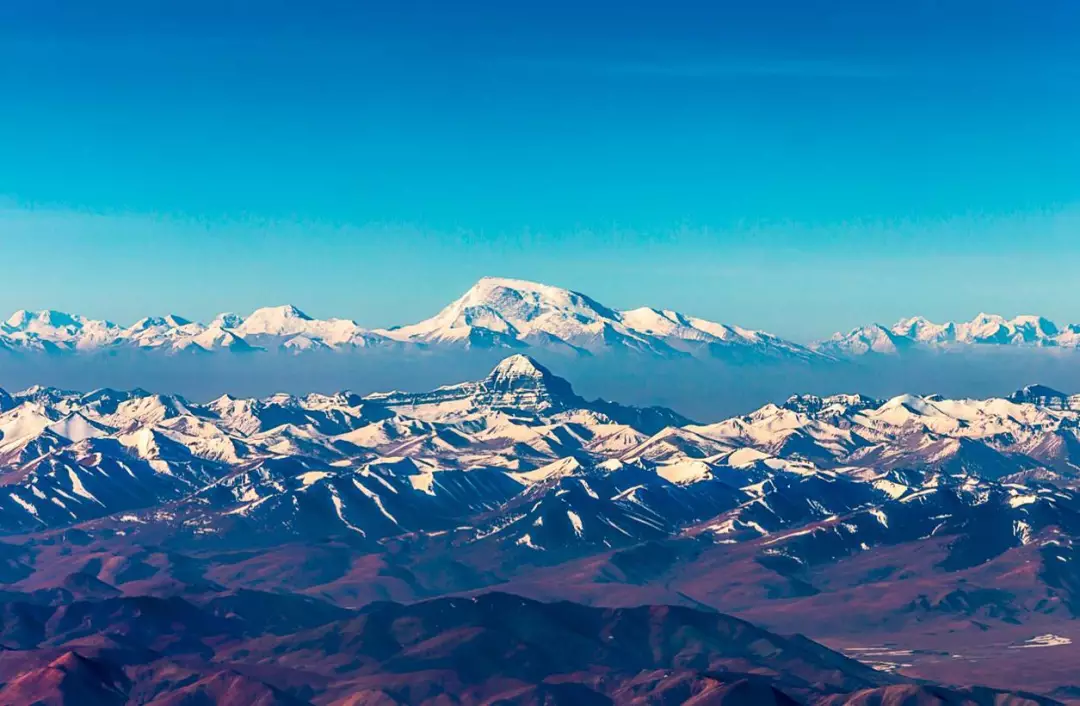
795,168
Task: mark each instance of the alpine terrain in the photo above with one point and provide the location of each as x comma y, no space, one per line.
393,547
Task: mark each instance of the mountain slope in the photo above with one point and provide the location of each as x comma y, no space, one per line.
912,518
498,312
262,649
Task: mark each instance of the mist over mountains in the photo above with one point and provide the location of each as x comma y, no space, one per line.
644,356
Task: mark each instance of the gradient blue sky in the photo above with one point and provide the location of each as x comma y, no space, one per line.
796,166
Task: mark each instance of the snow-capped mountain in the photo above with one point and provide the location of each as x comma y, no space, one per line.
864,340
494,313
517,459
499,312
72,456
920,333
912,510
520,386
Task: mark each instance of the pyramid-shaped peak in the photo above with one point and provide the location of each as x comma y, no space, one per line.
519,365
224,400
522,375
177,321
68,660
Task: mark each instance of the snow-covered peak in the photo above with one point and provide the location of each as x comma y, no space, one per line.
496,312
996,329
174,320
18,320
521,382
227,320
302,332
922,330
55,330
983,329
517,366
830,404
487,288
1034,328
659,321
992,328
509,308
275,321
500,312
522,301
474,444
1042,396
167,321
217,338
866,339
24,320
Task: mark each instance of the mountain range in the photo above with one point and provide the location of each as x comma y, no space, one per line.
918,333
75,456
930,538
265,649
494,313
498,313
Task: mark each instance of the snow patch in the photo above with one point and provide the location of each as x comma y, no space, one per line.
575,521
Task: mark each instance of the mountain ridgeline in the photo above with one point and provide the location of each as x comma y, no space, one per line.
342,548
644,356
499,313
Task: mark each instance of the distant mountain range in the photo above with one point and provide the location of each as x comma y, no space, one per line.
494,313
512,314
918,333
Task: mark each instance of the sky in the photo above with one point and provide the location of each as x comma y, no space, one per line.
797,167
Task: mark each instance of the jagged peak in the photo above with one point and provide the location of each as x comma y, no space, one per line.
18,319
227,319
1040,395
874,329
167,321
49,317
812,404
983,329
1038,389
983,316
495,312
